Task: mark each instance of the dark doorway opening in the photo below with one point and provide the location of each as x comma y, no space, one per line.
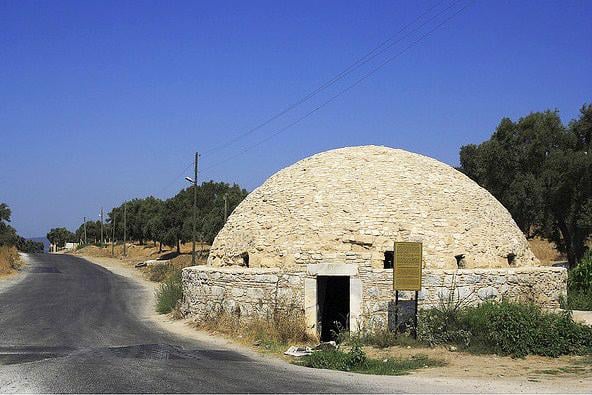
333,305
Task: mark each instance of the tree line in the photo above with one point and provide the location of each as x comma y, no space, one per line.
541,171
166,222
9,236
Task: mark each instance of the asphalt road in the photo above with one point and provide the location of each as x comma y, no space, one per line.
72,326
68,325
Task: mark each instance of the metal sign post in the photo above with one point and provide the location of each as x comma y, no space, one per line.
407,274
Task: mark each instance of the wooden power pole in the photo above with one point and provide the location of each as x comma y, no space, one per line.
102,240
113,234
193,261
225,207
124,229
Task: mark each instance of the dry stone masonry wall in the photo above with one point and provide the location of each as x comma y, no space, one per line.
257,292
244,292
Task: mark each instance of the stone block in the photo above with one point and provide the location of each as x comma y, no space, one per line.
488,293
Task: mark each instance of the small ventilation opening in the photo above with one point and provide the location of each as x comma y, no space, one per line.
460,260
511,259
389,259
245,257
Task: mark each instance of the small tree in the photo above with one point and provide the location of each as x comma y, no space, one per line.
60,236
93,231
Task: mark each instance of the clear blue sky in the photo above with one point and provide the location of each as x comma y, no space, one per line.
105,101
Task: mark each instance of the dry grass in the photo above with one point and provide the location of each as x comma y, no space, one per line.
285,326
545,250
140,253
9,260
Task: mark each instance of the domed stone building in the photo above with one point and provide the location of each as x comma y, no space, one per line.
320,234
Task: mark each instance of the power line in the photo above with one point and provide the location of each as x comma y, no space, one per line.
176,179
343,91
372,54
376,51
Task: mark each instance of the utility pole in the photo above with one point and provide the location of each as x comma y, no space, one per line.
85,242
113,234
225,207
124,229
194,209
102,227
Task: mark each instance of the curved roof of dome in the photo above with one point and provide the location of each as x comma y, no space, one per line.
351,204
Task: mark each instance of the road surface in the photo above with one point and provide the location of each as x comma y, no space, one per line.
69,325
72,326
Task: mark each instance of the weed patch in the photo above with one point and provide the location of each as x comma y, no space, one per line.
169,293
282,327
380,337
356,361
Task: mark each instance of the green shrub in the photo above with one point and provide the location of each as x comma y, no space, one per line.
522,329
356,361
579,286
169,293
335,360
577,300
580,277
435,326
338,360
507,328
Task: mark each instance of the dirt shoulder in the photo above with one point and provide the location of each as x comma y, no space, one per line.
465,365
463,372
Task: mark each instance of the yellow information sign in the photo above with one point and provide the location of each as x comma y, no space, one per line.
407,266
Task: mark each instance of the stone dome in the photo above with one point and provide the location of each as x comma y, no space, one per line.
350,205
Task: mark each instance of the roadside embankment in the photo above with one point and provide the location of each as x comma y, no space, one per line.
15,276
10,261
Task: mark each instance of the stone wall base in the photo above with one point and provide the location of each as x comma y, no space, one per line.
256,292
